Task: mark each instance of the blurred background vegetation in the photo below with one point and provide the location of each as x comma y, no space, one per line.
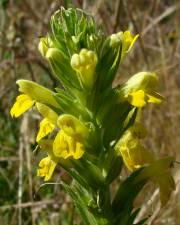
23,201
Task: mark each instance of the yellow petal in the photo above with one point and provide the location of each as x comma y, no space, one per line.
129,40
134,154
65,146
79,151
137,98
46,127
154,98
61,145
47,145
22,104
46,169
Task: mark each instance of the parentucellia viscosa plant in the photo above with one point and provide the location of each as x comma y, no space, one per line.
94,127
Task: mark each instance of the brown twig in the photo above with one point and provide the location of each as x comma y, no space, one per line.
27,205
20,170
12,159
117,14
131,16
28,164
155,21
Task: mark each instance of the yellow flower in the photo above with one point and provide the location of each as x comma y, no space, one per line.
37,92
136,156
84,63
132,151
46,127
47,145
128,41
73,127
32,93
47,166
124,38
22,104
65,146
139,90
44,44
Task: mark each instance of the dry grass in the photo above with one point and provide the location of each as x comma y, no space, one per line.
158,49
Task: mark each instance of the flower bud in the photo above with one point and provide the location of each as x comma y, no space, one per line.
84,63
116,39
43,46
53,54
125,38
37,92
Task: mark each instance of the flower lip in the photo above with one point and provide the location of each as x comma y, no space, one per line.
46,168
65,146
22,104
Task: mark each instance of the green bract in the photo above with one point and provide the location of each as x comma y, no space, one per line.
94,127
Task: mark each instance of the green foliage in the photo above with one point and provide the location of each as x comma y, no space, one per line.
96,115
